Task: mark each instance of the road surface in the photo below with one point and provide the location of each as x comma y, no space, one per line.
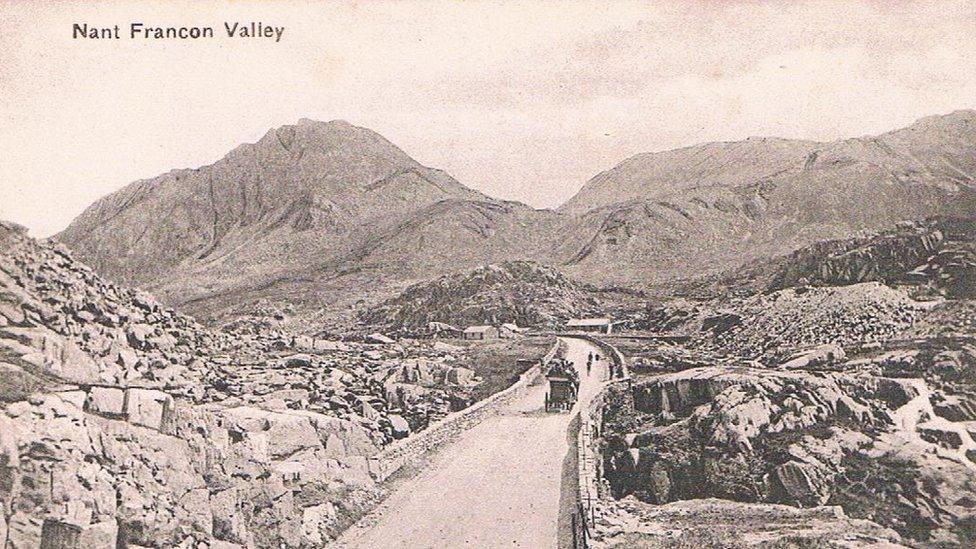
509,481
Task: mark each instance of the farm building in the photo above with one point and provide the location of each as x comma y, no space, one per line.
481,332
598,325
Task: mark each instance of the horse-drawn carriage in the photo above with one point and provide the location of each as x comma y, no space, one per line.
563,386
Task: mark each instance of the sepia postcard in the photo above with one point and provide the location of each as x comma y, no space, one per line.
377,274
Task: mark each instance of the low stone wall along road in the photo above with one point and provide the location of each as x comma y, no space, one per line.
509,481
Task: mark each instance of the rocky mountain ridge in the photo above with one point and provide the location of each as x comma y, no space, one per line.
699,210
297,201
331,218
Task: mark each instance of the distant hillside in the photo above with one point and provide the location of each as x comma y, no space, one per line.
938,253
652,175
332,219
521,292
457,234
702,209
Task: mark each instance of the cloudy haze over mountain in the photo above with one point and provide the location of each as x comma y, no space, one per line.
468,89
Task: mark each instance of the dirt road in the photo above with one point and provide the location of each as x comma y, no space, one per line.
507,482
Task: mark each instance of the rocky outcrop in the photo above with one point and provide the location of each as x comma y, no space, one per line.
723,418
775,325
793,437
719,524
61,319
244,476
939,252
886,257
936,254
519,292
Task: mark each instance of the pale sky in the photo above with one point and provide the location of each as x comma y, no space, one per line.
522,101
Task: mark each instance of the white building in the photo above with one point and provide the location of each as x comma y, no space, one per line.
598,325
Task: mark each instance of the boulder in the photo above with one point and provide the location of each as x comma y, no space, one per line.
721,323
380,338
139,334
369,412
947,439
299,360
221,544
442,347
145,301
402,395
954,407
148,407
107,401
315,522
163,342
303,342
327,345
460,376
798,482
58,534
400,427
287,433
101,535
11,312
54,353
23,531
817,356
228,517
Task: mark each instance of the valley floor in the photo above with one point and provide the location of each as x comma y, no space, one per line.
510,481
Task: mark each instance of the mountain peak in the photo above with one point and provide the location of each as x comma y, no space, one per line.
315,133
313,181
338,122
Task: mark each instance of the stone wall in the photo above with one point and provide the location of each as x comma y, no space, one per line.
402,452
588,459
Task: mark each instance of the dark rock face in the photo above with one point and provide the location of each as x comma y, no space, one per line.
791,437
721,323
837,263
940,252
955,407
